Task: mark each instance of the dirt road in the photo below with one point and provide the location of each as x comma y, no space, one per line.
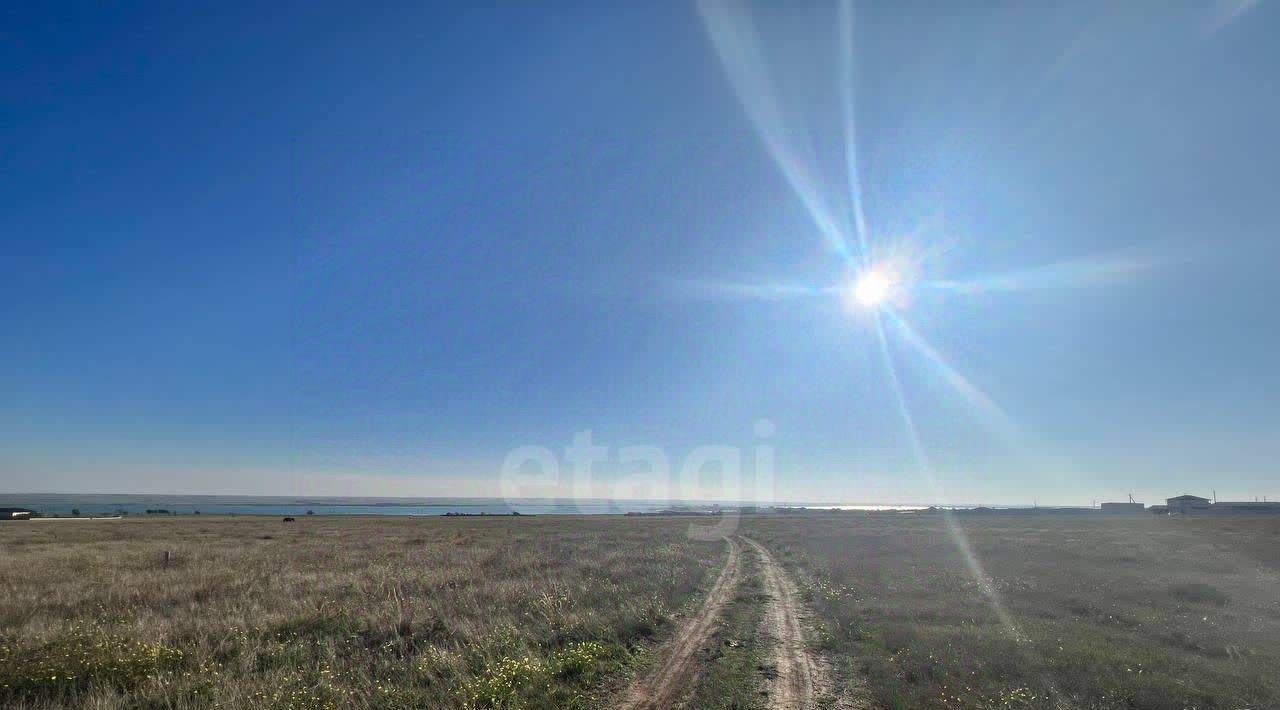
800,677
677,668
803,679
797,678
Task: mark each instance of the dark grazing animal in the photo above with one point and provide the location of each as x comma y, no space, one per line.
289,520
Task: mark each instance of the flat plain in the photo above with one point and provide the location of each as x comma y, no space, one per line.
849,610
1044,611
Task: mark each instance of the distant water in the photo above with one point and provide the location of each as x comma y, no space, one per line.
96,504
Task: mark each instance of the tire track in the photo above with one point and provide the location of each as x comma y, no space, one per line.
799,675
672,677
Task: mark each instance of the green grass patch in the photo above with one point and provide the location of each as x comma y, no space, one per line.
83,658
737,662
561,679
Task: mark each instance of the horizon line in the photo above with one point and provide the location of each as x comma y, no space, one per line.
699,501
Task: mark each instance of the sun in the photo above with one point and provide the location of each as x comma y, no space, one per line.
873,288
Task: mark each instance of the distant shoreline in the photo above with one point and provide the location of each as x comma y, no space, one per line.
477,501
103,505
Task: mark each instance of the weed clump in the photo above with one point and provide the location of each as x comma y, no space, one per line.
560,680
82,658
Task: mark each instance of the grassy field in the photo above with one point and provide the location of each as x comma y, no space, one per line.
336,612
1099,612
544,612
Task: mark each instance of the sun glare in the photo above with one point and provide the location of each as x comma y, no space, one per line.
873,288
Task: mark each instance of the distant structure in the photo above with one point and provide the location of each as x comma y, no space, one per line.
16,513
1196,504
1245,507
1131,507
1188,504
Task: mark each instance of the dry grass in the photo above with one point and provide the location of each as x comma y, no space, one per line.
335,612
1128,612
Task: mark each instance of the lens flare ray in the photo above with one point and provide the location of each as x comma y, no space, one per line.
1072,273
990,414
973,565
925,467
993,414
845,23
734,38
741,291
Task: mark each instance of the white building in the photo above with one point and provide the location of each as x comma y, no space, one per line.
1188,504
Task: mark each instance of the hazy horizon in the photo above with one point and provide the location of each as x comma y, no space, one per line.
7,497
835,253
65,499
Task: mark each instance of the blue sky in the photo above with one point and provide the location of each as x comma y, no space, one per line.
328,249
